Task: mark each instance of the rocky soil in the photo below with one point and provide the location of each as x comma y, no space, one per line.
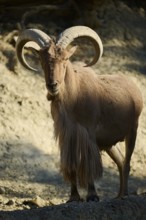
29,164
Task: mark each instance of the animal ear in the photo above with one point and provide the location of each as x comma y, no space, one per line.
71,51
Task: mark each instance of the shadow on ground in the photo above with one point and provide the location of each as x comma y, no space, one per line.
22,163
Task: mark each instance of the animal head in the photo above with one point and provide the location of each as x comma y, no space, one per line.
53,55
54,61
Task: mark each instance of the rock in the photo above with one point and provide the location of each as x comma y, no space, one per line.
10,202
37,201
141,190
2,190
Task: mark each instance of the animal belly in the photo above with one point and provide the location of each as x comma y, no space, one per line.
108,137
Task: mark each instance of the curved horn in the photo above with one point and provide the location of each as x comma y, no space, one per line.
70,34
27,35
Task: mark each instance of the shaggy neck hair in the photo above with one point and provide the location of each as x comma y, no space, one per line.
79,153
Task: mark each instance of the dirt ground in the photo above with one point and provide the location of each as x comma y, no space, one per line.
29,163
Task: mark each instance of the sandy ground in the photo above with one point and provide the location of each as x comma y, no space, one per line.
29,155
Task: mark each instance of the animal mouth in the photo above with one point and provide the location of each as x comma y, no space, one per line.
52,88
53,91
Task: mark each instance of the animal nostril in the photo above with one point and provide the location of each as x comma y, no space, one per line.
55,84
52,85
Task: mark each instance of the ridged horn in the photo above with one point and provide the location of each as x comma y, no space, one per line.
72,33
35,35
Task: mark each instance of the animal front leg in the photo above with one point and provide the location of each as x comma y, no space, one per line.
74,196
92,195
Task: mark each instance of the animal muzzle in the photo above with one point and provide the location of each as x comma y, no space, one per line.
52,87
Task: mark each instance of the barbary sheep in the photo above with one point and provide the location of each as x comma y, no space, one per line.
91,112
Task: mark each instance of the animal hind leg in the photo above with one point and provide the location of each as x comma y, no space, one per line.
117,157
129,144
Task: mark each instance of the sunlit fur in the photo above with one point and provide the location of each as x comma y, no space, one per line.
91,113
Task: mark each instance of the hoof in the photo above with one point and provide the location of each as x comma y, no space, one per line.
122,196
92,198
